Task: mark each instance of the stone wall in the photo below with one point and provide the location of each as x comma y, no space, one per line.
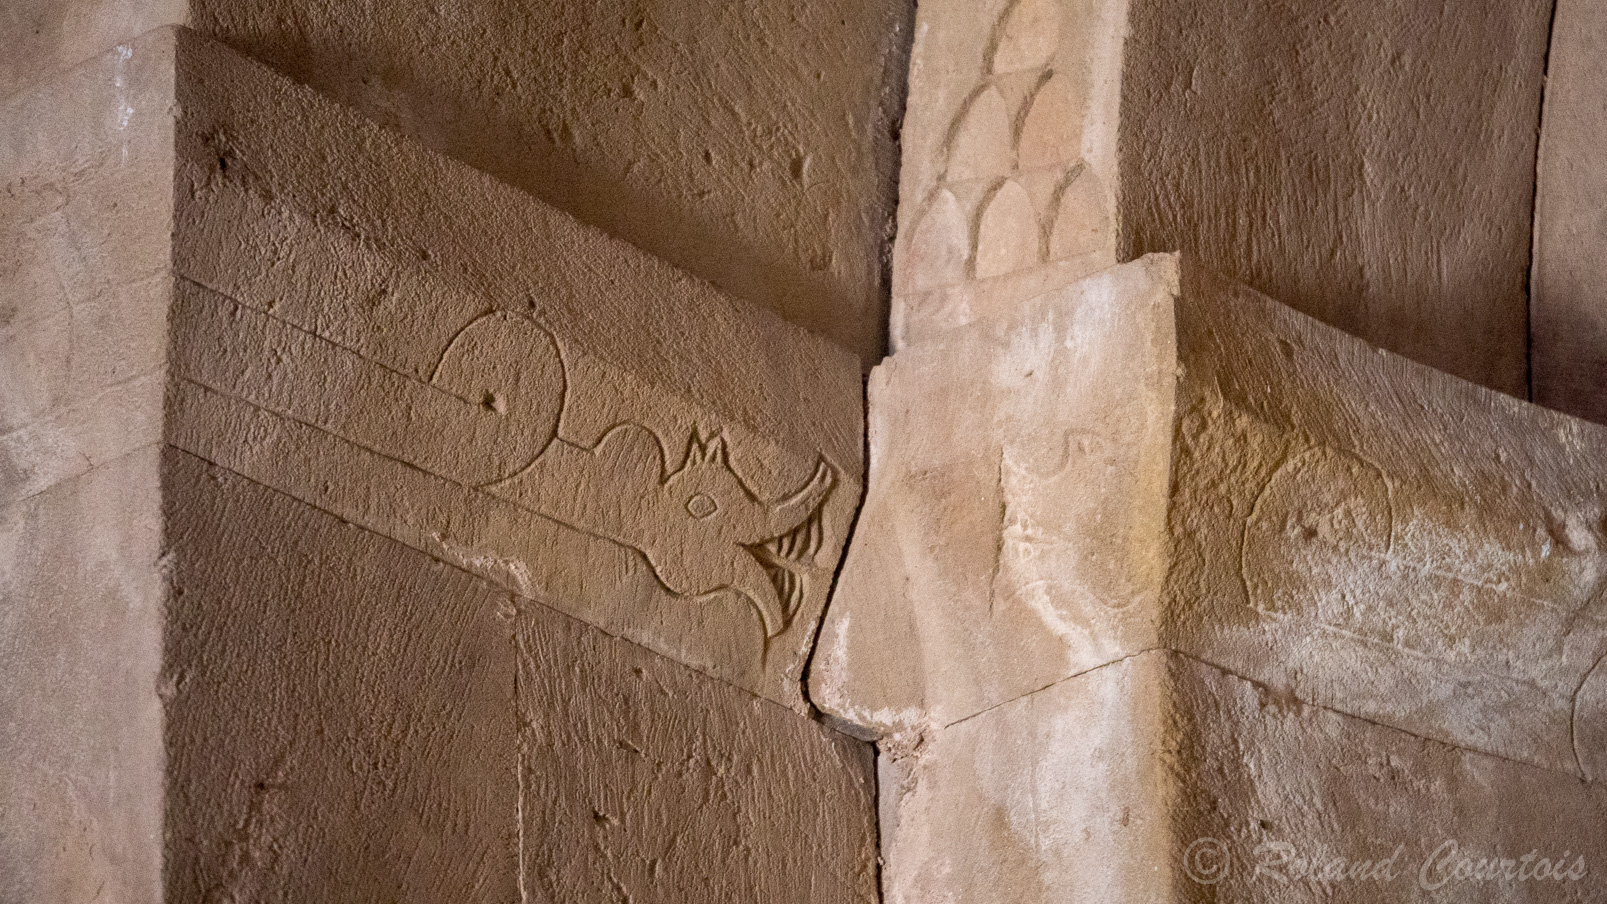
1369,163
754,146
1165,590
375,531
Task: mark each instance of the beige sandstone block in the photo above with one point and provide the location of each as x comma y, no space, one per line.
80,723
753,146
647,782
40,39
417,348
450,740
1160,778
1158,458
411,416
85,208
1370,162
1570,228
339,709
1009,146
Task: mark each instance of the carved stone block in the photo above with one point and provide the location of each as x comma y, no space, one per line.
1160,778
420,350
1009,167
1158,458
424,444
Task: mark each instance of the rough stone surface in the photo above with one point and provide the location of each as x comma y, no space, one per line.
1568,320
80,723
411,415
449,740
1159,778
1160,458
1369,163
1009,157
340,710
664,462
86,180
754,146
85,205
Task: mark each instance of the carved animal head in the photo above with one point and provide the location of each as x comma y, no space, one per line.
710,492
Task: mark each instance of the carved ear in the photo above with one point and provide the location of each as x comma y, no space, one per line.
715,450
705,451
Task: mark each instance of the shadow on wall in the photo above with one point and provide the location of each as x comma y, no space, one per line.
1367,162
754,145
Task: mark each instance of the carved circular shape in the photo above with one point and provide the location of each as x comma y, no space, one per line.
702,505
508,366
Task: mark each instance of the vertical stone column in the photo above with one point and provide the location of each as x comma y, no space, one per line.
85,279
1568,316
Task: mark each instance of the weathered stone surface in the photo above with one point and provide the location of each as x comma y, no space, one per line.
1566,314
753,146
1160,778
41,39
428,353
80,723
647,782
362,342
1159,458
339,708
86,178
1011,102
444,730
1368,163
85,206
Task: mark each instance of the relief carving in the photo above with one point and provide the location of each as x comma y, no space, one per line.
1589,723
1022,124
940,244
981,147
1331,542
489,419
1028,36
700,526
1082,218
1051,133
1319,520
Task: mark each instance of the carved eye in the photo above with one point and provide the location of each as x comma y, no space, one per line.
702,505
